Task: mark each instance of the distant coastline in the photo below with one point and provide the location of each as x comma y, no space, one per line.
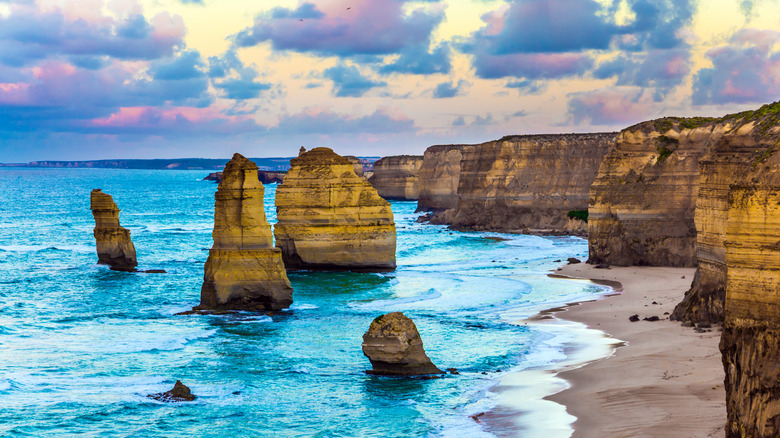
271,163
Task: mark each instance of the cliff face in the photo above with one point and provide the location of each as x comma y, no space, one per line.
751,240
644,198
735,146
330,218
527,182
440,177
114,247
397,177
244,271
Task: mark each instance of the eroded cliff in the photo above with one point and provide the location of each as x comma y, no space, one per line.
330,218
114,247
244,271
397,177
440,177
527,182
643,201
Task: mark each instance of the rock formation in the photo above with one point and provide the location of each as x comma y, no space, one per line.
440,177
265,176
642,202
243,271
114,247
357,165
179,393
736,146
527,181
394,347
331,219
397,177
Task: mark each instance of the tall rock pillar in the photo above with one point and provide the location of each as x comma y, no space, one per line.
114,247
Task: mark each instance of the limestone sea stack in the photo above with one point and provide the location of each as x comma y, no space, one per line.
114,247
397,177
393,345
244,271
179,393
329,218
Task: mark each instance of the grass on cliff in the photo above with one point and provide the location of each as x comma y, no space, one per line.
768,116
578,214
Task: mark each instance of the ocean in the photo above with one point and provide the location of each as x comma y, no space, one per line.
81,346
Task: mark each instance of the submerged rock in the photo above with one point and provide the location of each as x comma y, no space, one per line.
114,247
179,393
244,271
331,219
393,345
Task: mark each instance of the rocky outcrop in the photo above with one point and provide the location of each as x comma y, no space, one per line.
440,177
270,177
393,345
527,182
244,271
114,247
643,201
397,177
179,393
331,219
357,165
265,176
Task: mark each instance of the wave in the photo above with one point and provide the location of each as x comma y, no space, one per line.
431,294
303,306
41,248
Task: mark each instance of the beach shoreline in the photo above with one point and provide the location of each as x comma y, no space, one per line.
662,379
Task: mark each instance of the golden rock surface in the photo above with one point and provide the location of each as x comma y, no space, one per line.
527,182
114,247
397,177
331,219
244,271
394,347
643,201
439,177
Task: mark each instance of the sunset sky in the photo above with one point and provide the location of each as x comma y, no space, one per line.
92,79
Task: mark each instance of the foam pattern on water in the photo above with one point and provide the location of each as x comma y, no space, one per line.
81,346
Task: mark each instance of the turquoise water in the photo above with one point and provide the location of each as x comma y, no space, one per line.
81,346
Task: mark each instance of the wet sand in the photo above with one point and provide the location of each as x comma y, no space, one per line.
665,381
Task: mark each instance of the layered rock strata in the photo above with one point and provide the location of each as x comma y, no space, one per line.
736,145
329,218
527,182
244,271
439,177
357,165
642,203
397,177
394,347
114,247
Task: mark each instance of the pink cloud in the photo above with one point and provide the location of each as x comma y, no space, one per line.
609,106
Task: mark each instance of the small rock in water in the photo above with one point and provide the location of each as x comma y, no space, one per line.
633,318
393,345
154,271
453,371
654,302
179,393
652,318
573,261
556,261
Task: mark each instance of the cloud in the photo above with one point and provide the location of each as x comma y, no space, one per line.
527,86
532,66
418,60
368,27
178,121
559,34
349,82
322,121
745,70
609,106
28,35
446,89
237,80
660,69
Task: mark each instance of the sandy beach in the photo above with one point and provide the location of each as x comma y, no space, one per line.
666,381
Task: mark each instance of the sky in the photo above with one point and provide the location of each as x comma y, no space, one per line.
101,79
